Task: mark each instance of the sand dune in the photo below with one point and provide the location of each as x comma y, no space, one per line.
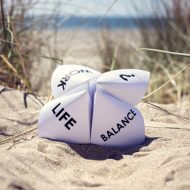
161,162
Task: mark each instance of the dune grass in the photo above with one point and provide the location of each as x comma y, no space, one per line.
111,68
170,80
170,77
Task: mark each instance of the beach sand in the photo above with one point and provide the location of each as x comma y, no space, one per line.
161,162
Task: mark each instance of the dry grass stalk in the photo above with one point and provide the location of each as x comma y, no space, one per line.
12,68
167,82
17,136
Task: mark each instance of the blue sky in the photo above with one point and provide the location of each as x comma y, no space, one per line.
97,7
94,7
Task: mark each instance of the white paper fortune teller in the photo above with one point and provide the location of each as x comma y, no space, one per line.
66,119
90,107
70,78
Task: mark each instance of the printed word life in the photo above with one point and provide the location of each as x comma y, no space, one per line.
61,114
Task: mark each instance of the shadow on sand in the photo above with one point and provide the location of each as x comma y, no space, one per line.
96,152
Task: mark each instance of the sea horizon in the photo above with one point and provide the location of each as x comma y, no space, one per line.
97,22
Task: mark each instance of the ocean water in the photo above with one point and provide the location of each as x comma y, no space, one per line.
96,23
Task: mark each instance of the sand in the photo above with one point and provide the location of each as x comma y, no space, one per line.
161,162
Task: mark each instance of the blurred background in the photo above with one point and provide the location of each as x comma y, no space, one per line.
37,35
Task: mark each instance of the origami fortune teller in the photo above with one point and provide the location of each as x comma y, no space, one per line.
90,107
